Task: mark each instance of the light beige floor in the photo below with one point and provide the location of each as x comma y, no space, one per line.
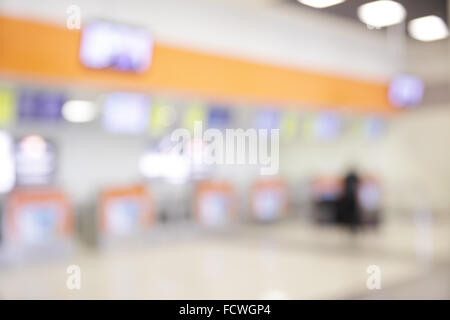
288,260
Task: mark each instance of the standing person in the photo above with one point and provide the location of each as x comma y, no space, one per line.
349,201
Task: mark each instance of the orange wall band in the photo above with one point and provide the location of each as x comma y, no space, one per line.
51,52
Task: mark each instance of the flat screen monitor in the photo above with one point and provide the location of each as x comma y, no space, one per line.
40,105
219,117
35,161
267,119
126,113
327,126
406,91
116,46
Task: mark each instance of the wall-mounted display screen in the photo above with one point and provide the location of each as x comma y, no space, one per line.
406,91
327,126
219,117
126,113
35,160
267,119
374,127
111,45
38,105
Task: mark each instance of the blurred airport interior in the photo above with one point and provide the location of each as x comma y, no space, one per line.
343,108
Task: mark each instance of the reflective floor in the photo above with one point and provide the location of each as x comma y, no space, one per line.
287,260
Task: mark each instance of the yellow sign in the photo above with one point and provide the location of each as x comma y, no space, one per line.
308,125
195,112
162,116
289,125
7,107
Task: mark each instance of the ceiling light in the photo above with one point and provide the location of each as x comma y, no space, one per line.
79,111
428,28
321,3
381,13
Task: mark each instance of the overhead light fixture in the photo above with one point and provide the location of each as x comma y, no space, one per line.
79,111
382,13
319,4
428,28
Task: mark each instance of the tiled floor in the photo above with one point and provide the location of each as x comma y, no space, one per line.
288,260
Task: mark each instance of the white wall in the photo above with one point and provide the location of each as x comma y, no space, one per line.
419,170
412,160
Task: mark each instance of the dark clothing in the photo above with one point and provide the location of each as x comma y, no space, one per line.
348,211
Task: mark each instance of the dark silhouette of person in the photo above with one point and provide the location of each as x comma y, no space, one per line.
349,207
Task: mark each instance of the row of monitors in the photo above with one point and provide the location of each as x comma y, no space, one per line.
131,113
109,45
42,216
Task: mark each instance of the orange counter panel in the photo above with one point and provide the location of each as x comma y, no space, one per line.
46,51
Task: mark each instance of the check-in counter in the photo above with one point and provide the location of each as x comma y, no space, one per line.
37,222
215,204
268,200
121,214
